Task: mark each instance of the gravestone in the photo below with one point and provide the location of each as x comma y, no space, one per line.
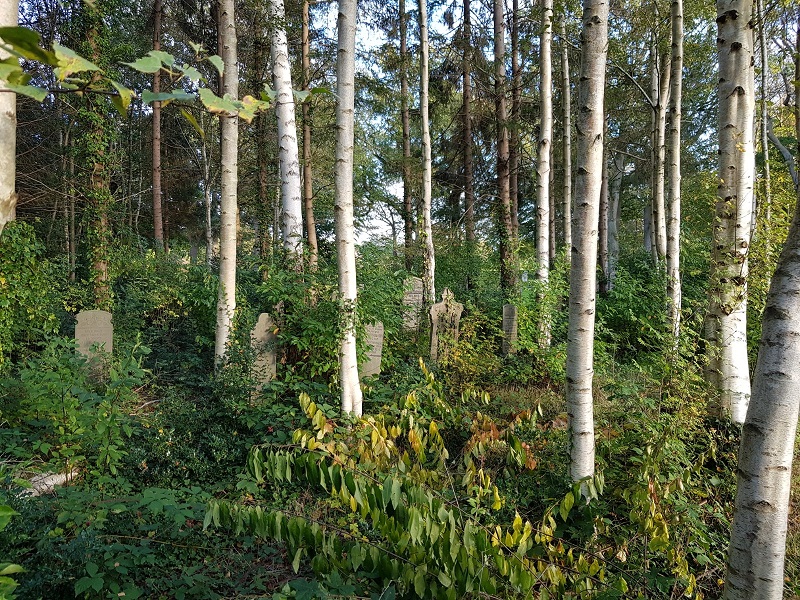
445,317
412,300
374,350
509,328
94,333
193,251
263,341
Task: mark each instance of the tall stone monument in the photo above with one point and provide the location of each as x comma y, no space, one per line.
509,328
412,301
374,350
264,342
94,333
445,317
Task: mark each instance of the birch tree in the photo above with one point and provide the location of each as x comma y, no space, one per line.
758,538
727,323
566,115
674,205
8,129
345,234
660,75
288,155
545,142
428,258
583,274
229,156
408,217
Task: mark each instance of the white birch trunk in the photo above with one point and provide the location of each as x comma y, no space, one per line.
566,94
545,141
8,130
583,274
733,213
288,154
229,132
345,234
674,205
758,537
660,87
158,216
428,258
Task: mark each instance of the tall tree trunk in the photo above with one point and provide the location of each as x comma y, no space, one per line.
408,212
158,223
602,224
469,183
615,189
758,538
762,38
516,105
308,189
545,141
660,89
732,219
428,259
229,133
8,130
288,155
674,205
345,234
507,243
567,137
583,274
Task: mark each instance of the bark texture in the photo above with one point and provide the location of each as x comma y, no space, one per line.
507,242
8,130
733,212
229,149
469,184
758,537
566,94
288,154
345,234
308,188
545,143
674,204
428,258
158,221
408,213
583,274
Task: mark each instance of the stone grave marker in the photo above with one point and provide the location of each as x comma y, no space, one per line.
264,342
374,350
445,317
509,328
412,300
94,333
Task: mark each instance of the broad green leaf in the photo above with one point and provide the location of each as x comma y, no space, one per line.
566,505
70,62
269,95
419,583
215,104
31,91
321,90
301,96
146,64
7,67
9,569
250,107
197,48
123,101
24,43
164,57
217,62
191,73
149,97
396,489
296,562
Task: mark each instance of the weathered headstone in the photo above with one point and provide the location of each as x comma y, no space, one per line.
94,333
264,341
374,350
193,251
509,328
412,300
445,317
